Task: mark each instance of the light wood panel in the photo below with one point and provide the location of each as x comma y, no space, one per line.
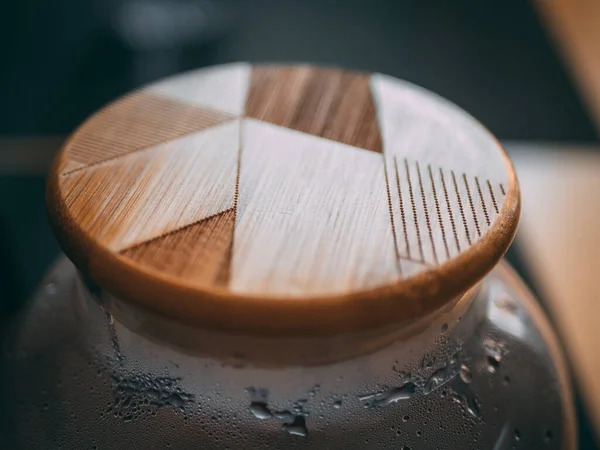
331,201
222,88
308,221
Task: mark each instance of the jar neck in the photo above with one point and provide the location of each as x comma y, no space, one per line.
242,349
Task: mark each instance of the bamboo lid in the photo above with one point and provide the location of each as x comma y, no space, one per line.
284,199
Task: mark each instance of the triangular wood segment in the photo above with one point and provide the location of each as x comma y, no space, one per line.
199,253
305,223
326,103
146,194
137,121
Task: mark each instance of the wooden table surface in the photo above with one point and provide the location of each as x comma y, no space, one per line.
560,240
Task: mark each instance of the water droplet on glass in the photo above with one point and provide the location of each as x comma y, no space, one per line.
506,381
176,400
427,362
517,435
284,415
260,410
405,418
382,399
444,328
465,374
297,427
463,393
492,364
441,376
337,404
549,435
51,288
493,351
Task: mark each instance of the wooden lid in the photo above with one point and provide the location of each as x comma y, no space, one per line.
284,200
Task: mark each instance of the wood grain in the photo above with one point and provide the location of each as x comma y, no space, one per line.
136,122
327,200
147,194
199,253
308,223
327,103
220,88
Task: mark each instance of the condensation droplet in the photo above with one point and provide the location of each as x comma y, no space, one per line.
493,352
315,389
492,364
260,410
444,328
51,288
465,374
517,435
381,399
297,427
337,404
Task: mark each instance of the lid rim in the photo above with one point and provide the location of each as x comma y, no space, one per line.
410,298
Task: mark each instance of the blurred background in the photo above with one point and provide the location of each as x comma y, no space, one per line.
529,71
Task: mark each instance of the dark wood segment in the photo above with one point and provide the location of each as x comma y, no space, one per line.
199,253
327,103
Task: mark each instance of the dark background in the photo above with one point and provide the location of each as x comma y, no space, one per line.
61,60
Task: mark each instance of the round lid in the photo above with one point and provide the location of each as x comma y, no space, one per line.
284,199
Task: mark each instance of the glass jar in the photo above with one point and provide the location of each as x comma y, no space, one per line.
486,373
449,351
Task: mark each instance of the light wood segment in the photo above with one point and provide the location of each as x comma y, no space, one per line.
299,217
435,156
575,26
327,103
418,125
135,122
149,193
199,253
222,88
308,222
